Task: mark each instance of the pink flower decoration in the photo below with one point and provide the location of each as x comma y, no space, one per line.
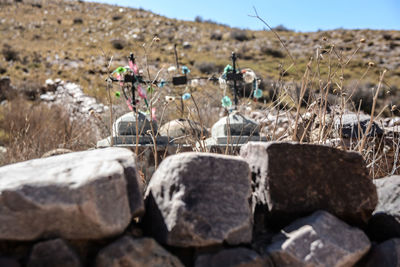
133,67
153,114
142,93
128,102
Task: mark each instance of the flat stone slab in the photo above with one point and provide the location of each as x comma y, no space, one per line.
130,140
232,140
200,199
82,195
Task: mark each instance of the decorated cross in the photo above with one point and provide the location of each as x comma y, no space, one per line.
235,76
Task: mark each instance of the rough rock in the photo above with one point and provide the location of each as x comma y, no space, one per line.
385,222
181,129
384,254
8,262
354,126
291,180
200,199
53,253
318,240
129,252
234,257
83,195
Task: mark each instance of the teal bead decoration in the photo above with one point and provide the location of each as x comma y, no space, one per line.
258,93
226,102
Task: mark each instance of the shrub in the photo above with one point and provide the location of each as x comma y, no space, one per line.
217,35
78,21
206,67
118,44
272,52
240,35
9,53
198,19
281,28
116,17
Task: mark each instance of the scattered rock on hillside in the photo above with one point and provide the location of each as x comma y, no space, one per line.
186,45
72,98
318,240
200,199
355,126
234,257
384,254
53,253
129,252
291,180
385,222
83,195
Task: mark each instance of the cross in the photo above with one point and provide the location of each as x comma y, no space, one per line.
234,76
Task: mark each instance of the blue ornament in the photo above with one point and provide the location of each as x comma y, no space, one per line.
186,96
162,83
185,70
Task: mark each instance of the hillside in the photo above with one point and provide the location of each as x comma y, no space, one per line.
74,41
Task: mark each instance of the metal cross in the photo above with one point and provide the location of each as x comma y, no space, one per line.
235,77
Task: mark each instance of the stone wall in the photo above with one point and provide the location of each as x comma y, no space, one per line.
277,204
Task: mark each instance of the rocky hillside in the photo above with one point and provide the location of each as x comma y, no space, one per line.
74,41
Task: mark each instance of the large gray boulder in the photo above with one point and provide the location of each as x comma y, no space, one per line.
318,240
385,222
385,254
83,195
234,257
129,252
200,199
291,180
53,253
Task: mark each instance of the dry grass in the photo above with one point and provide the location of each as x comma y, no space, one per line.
29,129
